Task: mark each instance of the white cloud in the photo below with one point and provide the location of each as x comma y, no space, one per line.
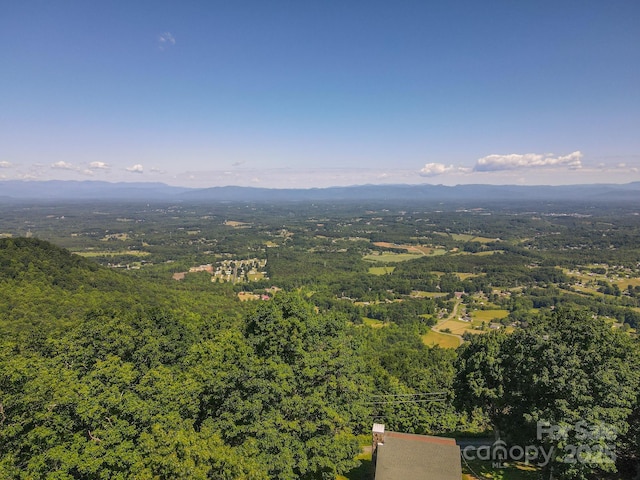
158,171
62,165
88,172
434,169
99,165
166,40
493,163
5,164
137,168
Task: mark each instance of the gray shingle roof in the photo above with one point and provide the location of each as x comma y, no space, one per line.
404,456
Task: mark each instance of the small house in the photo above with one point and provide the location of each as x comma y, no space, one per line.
405,456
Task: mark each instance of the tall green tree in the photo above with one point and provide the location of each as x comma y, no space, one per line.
569,370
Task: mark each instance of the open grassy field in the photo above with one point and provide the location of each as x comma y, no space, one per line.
235,224
255,276
483,239
420,293
465,237
381,270
462,237
460,275
120,253
444,340
458,327
247,296
417,249
373,323
464,276
488,315
409,248
389,257
487,253
625,282
588,290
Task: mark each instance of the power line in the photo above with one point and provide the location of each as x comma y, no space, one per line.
391,402
400,398
408,394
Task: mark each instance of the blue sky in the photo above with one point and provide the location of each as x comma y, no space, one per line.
317,93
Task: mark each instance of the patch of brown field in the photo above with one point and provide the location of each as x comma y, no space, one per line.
233,223
385,245
246,296
410,248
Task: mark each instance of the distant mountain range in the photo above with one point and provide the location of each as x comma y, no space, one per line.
56,190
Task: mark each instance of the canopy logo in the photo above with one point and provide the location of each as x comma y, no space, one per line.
567,443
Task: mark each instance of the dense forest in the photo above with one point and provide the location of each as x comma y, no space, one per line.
111,368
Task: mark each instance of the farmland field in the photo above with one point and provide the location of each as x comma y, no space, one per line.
381,270
488,315
458,327
443,340
121,253
389,257
373,323
418,293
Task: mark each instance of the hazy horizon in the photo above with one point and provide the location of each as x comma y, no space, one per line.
352,185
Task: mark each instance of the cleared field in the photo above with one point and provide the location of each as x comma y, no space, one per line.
418,249
458,327
408,248
420,293
121,253
247,296
465,237
391,257
589,290
460,275
235,224
483,239
255,276
373,323
462,237
624,283
444,340
478,254
464,276
488,315
381,270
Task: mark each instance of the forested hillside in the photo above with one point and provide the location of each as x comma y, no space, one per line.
115,382
106,373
